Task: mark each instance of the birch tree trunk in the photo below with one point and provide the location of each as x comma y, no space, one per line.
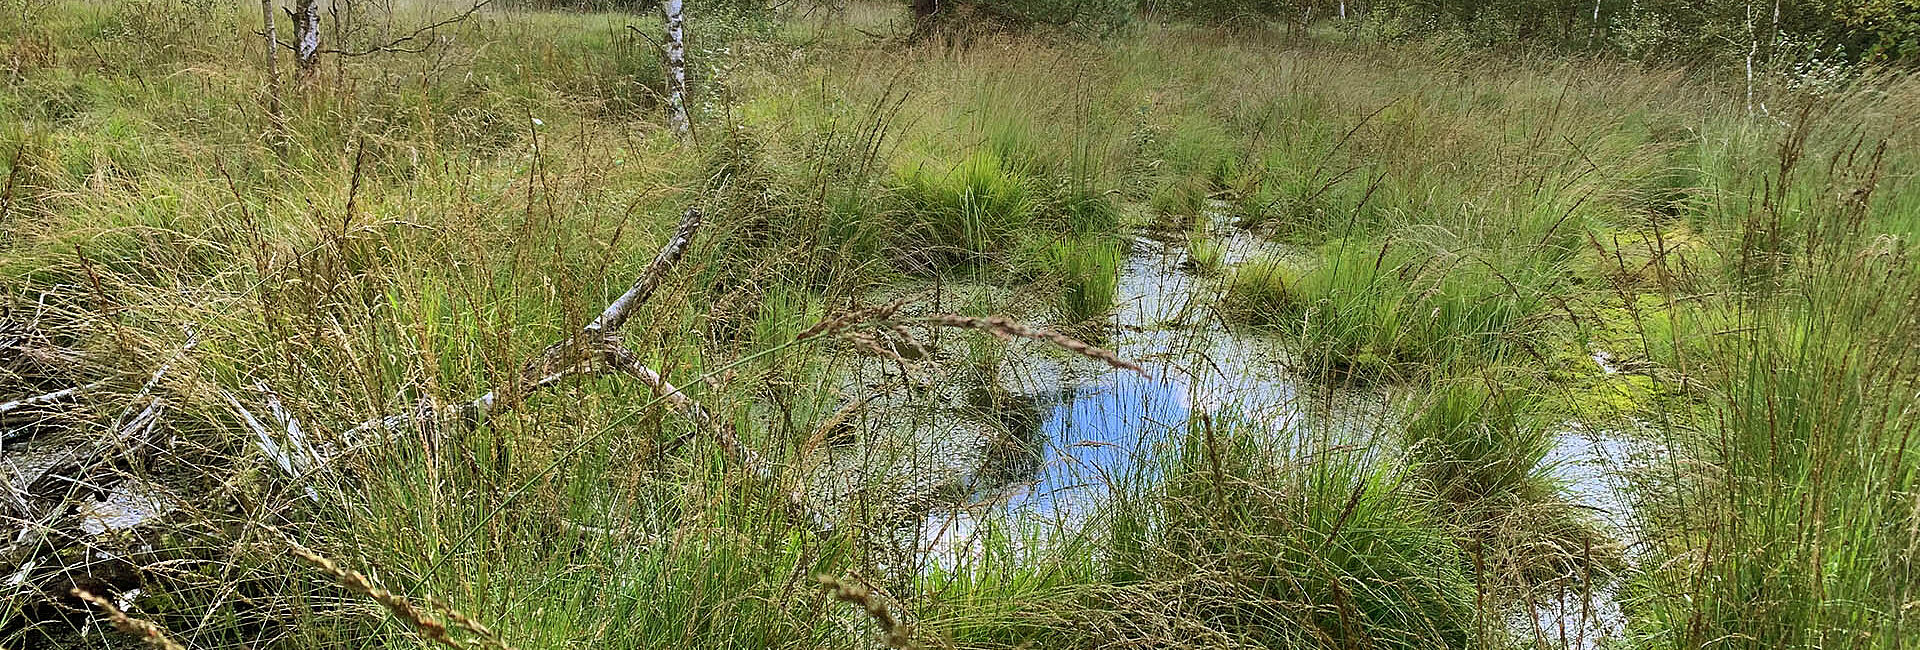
676,68
1753,49
306,37
1593,29
273,72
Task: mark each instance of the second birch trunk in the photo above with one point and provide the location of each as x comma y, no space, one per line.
274,115
306,38
676,67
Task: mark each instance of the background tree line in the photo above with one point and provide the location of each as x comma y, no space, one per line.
1796,31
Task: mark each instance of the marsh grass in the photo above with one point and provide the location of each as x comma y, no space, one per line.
1390,309
1231,543
1090,273
422,235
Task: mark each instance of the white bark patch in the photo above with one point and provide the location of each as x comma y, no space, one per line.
306,36
676,67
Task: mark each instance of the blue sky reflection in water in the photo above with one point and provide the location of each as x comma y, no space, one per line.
1093,439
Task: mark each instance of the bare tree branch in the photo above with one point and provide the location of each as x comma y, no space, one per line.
55,396
616,314
597,349
798,506
400,44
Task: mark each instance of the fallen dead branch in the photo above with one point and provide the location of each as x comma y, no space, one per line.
798,505
1006,329
595,350
48,398
570,357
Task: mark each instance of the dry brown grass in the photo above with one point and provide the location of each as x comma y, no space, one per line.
428,626
148,632
892,632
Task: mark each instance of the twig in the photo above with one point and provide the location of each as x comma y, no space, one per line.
662,49
1006,329
55,396
395,45
798,505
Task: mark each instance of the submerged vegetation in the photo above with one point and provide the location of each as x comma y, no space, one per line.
465,311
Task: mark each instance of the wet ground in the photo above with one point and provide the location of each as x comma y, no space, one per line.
1090,425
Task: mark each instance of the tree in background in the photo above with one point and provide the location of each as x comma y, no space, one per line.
306,37
1084,16
673,12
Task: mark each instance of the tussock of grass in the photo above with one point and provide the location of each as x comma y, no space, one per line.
1205,255
963,214
1373,309
1089,271
433,219
1227,542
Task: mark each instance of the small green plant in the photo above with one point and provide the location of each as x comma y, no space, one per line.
1089,271
1206,256
1263,290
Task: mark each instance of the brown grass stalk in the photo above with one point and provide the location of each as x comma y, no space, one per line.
892,632
428,626
148,631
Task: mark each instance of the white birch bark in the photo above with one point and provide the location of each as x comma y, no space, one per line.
272,37
306,37
676,67
1593,30
1753,49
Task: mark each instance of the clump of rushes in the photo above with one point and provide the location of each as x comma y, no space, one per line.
1178,204
1376,310
1475,440
1264,291
1089,272
1205,255
961,215
1295,548
1082,209
1480,445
